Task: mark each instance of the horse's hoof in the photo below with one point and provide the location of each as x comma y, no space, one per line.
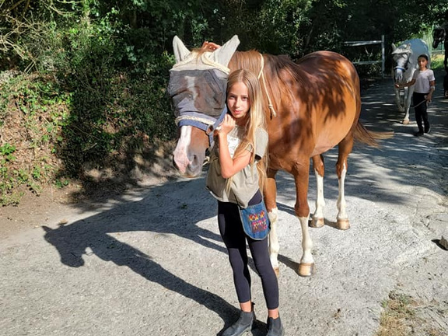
317,222
343,224
306,269
406,121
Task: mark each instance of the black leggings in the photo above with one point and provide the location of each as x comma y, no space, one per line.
234,238
421,113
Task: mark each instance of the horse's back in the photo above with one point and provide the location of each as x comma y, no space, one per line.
338,104
418,47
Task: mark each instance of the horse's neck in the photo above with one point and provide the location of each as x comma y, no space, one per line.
249,60
408,74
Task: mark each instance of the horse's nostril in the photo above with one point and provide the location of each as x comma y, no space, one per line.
194,161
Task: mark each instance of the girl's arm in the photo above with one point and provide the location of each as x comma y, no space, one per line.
229,166
412,82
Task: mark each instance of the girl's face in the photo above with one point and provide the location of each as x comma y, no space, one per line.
238,102
422,62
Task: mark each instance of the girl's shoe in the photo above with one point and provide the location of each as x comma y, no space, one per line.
275,327
242,325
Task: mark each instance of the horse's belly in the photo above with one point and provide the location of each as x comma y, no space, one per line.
330,136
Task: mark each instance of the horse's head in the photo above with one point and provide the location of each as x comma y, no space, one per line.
197,87
401,57
438,36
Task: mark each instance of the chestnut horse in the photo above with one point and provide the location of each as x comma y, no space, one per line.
310,107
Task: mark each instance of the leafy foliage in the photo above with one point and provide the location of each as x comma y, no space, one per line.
84,81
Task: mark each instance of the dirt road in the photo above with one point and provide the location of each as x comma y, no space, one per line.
151,262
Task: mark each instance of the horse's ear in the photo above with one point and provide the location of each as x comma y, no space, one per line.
180,51
224,54
394,47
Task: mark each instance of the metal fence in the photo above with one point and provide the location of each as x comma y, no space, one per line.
363,43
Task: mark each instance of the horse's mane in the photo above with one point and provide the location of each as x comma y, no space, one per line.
251,60
277,70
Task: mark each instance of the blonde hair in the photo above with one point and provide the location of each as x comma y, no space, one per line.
256,120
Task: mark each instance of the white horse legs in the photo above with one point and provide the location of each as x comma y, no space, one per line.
307,262
398,100
342,218
318,216
306,266
407,99
407,105
274,247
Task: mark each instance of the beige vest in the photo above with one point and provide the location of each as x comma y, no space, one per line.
244,183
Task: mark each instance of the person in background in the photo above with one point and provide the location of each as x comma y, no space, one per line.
424,82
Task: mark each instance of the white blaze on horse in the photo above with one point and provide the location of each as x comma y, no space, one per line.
310,107
405,63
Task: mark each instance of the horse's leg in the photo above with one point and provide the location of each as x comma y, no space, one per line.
302,210
319,170
407,104
398,100
344,148
270,195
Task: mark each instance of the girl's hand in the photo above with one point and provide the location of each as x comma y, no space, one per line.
227,125
209,46
428,97
397,86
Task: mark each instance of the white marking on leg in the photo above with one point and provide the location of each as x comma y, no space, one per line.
320,201
307,243
398,100
181,152
274,246
341,204
410,91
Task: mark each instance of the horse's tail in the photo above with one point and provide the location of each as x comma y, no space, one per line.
361,134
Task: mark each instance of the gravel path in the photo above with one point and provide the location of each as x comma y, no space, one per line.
151,262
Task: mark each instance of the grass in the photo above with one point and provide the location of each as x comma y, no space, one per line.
400,318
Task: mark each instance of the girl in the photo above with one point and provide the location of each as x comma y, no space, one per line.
424,81
236,175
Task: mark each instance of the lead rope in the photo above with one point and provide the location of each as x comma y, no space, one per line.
271,107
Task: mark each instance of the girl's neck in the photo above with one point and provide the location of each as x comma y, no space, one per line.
242,122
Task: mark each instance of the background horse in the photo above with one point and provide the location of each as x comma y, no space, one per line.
440,36
405,63
310,107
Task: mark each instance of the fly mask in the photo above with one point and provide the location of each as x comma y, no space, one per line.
401,56
198,83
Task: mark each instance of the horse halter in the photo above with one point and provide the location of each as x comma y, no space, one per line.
403,68
207,125
199,98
